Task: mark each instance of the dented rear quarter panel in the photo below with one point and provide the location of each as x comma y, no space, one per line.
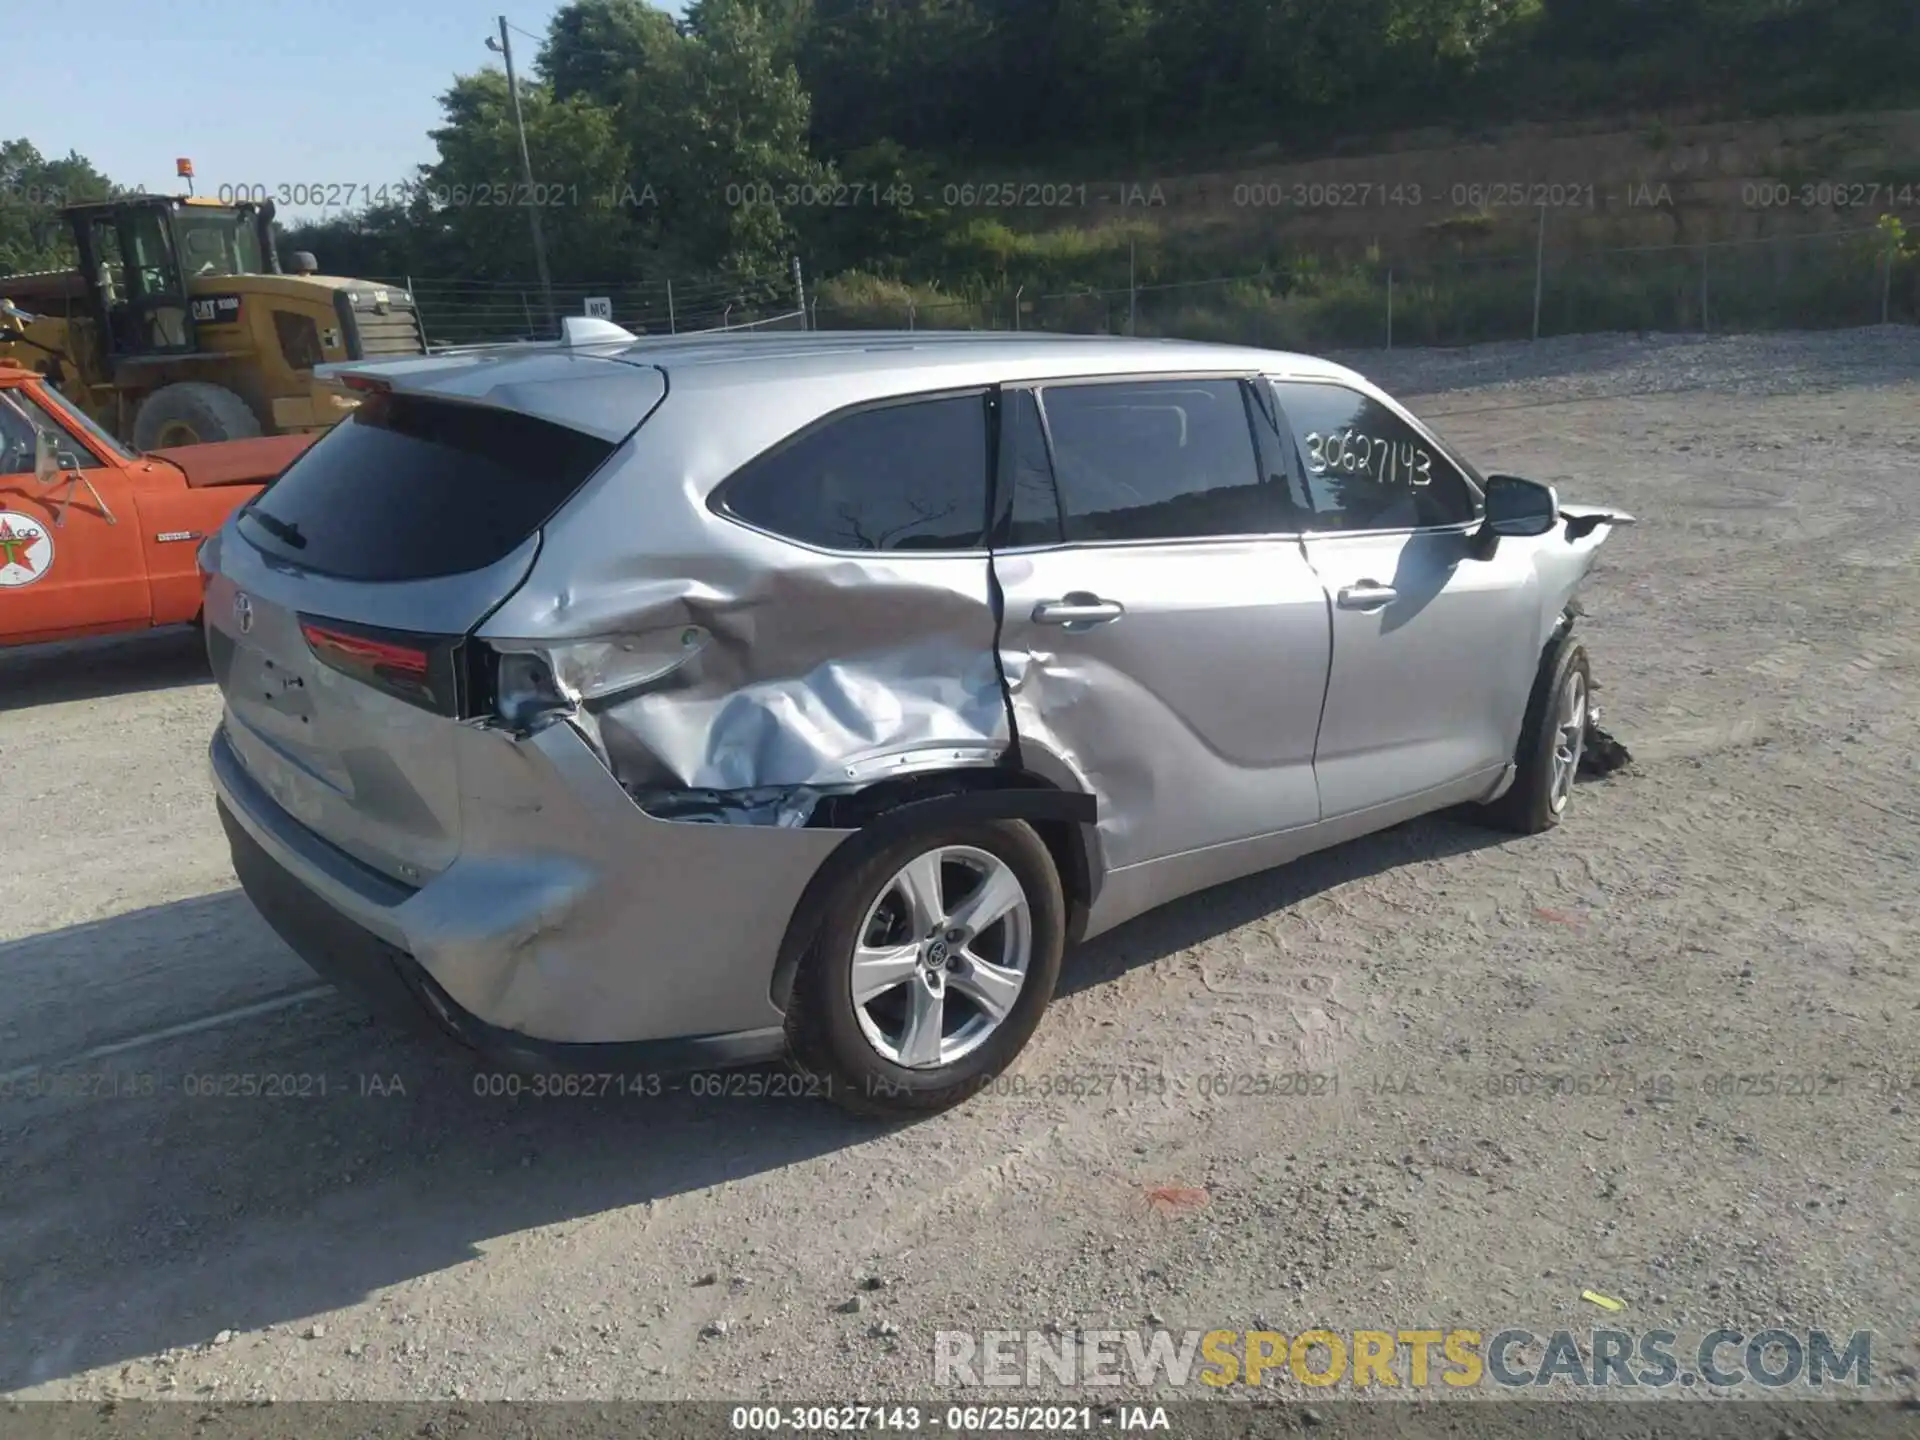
821,668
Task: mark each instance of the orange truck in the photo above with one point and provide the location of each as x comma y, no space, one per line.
97,538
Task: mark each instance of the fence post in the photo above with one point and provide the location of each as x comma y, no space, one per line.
1133,290
1886,281
672,328
799,292
1706,323
1539,271
1016,305
910,324
420,316
1389,307
528,309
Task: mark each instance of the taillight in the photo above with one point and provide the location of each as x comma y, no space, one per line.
423,670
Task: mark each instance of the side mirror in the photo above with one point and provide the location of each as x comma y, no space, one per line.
1520,507
46,458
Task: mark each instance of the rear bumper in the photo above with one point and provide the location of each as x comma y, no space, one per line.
608,956
399,991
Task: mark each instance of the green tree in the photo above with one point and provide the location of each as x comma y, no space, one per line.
470,212
33,189
380,242
717,127
594,46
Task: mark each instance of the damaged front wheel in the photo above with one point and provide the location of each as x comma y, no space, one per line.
937,955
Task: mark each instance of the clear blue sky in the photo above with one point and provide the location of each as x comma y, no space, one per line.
256,92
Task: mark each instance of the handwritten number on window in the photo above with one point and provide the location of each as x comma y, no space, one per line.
1350,452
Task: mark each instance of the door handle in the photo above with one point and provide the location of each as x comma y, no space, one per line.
1078,610
1368,595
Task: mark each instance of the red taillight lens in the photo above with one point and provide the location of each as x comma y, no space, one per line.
406,662
423,670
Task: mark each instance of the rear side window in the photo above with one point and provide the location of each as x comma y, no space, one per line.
910,476
1159,460
408,488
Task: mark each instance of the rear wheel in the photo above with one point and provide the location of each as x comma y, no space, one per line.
192,412
1551,742
937,955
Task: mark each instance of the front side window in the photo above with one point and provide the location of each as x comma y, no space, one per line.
1159,460
21,420
909,476
1365,467
100,437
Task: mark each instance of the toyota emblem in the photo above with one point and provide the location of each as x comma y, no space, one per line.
243,612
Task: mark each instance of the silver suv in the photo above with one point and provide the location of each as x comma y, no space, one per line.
650,705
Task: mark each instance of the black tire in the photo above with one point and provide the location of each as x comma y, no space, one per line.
824,1031
209,412
1532,805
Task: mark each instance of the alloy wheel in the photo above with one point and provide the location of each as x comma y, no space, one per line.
1569,739
942,957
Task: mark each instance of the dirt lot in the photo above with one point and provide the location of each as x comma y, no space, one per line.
1741,903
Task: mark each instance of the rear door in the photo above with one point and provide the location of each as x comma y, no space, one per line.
71,560
1163,635
339,600
1434,649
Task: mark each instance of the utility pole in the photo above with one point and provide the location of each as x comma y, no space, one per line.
505,48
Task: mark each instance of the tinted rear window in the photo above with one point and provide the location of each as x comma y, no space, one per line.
907,476
409,488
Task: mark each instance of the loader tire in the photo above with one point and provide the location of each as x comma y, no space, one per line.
192,412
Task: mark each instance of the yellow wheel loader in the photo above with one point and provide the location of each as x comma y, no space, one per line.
179,325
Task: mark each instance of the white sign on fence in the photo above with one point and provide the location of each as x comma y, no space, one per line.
599,307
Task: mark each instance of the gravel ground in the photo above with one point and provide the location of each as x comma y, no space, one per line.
1740,902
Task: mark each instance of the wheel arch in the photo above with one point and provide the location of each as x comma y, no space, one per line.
880,813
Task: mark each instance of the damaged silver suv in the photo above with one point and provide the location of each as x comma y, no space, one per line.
657,704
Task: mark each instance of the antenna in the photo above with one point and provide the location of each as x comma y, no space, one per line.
588,330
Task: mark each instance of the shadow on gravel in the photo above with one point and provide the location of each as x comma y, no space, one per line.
113,665
1199,918
291,1163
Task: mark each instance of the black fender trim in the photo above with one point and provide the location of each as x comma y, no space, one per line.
962,808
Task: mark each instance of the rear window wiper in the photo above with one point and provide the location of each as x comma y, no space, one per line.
281,530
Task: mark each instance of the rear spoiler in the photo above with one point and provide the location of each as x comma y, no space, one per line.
575,331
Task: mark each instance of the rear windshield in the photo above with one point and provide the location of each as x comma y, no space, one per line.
409,488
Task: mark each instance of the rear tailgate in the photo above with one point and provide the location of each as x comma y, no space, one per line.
338,603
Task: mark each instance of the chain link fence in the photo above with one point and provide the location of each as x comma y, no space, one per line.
1829,280
474,312
1824,281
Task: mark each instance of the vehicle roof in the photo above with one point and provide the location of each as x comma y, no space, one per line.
551,380
750,355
